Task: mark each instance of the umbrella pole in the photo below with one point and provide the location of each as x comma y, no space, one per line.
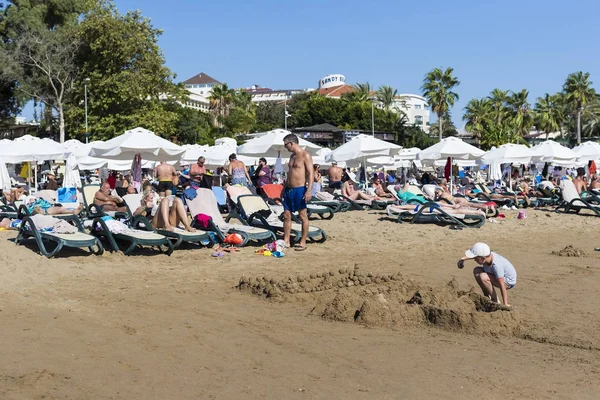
35,174
451,175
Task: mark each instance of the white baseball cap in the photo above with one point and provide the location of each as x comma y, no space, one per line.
478,250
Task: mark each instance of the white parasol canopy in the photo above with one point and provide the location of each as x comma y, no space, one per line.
271,144
556,153
138,141
511,153
588,151
30,148
361,147
408,154
4,176
451,147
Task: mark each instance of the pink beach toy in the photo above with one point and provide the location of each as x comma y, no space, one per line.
522,214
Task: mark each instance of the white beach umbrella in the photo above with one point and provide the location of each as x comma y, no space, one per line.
30,148
452,147
588,151
138,141
556,153
271,145
4,176
362,147
72,177
511,153
408,154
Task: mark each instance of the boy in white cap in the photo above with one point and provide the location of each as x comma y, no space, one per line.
493,271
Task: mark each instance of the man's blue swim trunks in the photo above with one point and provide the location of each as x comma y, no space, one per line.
293,199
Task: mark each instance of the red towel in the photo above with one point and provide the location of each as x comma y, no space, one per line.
448,169
592,167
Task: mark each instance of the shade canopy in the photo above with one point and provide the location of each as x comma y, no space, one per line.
511,153
556,153
408,154
138,141
5,183
30,148
361,147
450,147
588,151
270,144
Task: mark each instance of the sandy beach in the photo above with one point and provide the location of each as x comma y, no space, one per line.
149,326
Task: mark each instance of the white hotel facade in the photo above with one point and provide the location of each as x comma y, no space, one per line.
200,86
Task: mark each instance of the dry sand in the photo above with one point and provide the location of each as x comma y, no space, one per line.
150,326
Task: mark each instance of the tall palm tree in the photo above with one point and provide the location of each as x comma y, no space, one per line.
549,114
437,89
579,93
477,115
520,111
498,100
386,95
592,116
221,100
363,92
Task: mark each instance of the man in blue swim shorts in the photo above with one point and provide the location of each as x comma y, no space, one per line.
297,189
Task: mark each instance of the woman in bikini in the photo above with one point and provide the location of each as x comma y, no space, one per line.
162,213
237,171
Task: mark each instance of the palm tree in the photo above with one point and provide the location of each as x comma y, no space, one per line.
549,115
477,116
521,113
437,89
579,93
498,100
386,95
221,100
592,116
363,92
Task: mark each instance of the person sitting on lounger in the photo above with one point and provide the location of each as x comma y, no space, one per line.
594,183
104,199
350,189
379,189
165,213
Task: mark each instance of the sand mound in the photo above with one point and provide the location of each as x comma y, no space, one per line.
350,295
569,251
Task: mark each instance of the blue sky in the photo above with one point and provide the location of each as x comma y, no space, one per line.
284,44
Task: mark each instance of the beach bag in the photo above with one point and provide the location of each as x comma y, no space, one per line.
233,238
202,221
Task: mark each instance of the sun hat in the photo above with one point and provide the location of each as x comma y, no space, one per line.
478,250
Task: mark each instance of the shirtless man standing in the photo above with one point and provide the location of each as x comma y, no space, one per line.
197,172
297,189
335,176
579,182
109,203
165,173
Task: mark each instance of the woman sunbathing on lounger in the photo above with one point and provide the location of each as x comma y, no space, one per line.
350,190
165,214
440,193
379,189
448,208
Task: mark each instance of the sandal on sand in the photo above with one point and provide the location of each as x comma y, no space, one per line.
299,248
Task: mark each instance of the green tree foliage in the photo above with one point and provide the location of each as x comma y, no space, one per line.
269,116
129,85
413,136
38,51
438,88
221,101
549,113
194,126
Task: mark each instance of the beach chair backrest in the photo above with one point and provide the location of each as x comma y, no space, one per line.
89,191
133,201
392,190
415,190
273,190
48,195
569,192
205,202
236,191
429,191
253,204
325,196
